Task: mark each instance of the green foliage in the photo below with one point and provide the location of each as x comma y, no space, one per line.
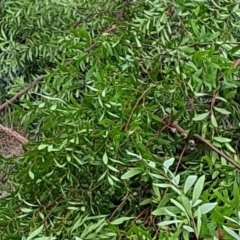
101,162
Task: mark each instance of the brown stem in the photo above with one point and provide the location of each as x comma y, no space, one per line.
18,95
206,142
122,12
135,106
117,208
213,102
13,134
180,158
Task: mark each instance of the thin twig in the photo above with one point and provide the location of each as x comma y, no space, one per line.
122,12
236,63
157,134
25,90
213,102
140,214
180,158
206,142
135,106
117,208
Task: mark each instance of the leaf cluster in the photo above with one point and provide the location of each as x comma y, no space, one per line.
101,162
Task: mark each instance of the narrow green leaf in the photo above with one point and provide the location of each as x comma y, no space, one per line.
198,188
41,105
189,183
79,223
207,207
121,220
222,110
166,185
232,220
131,173
133,154
31,174
166,223
188,228
162,211
187,49
187,205
213,65
35,232
138,42
231,233
194,28
45,238
200,117
179,205
196,203
105,158
26,210
168,163
3,34
236,193
42,146
146,201
214,121
113,168
235,49
171,214
230,148
199,221
222,139
110,180
200,94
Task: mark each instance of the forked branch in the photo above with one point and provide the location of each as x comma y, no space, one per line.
198,137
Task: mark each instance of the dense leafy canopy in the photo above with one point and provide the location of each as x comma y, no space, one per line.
102,163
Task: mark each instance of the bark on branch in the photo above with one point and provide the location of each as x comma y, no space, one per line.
201,139
25,90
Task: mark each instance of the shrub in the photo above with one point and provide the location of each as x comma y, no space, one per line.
105,160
